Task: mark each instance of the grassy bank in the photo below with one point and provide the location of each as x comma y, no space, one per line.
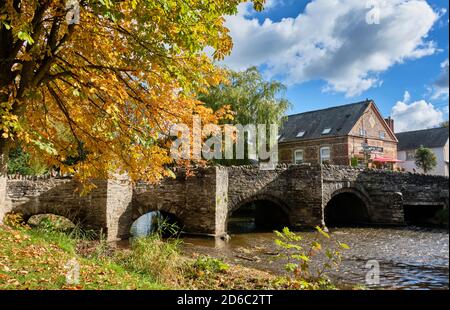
39,259
51,255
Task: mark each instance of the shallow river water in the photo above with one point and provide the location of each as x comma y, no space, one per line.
408,257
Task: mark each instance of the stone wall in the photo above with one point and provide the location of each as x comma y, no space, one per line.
3,170
222,190
119,207
106,209
203,201
59,196
192,199
385,192
295,188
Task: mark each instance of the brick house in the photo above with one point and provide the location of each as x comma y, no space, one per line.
353,134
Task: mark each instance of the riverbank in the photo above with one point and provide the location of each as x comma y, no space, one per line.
38,260
409,257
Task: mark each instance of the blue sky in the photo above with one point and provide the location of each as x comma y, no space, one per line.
333,52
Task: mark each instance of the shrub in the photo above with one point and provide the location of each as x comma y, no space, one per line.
425,159
308,264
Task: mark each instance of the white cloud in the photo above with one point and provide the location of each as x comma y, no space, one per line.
415,115
440,87
332,41
270,4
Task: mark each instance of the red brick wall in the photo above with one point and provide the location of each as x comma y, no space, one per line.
311,150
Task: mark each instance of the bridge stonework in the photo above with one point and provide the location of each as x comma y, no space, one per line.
385,193
204,201
106,209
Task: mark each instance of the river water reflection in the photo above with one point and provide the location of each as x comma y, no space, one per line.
409,257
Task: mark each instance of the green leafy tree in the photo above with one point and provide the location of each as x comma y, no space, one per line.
253,99
425,159
444,124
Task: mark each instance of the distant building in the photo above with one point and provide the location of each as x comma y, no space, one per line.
435,139
353,134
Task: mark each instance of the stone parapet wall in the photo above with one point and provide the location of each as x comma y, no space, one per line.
4,203
105,209
387,191
298,188
203,200
192,199
59,196
4,207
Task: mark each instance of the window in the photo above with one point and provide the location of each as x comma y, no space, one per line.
325,155
382,135
326,131
363,132
298,157
410,155
300,134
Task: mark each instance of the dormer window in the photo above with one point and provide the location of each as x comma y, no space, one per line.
326,131
301,134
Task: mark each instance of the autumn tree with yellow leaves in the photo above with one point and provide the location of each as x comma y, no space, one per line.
106,85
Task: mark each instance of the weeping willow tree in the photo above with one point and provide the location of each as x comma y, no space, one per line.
252,99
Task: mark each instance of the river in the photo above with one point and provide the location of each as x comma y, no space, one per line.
408,257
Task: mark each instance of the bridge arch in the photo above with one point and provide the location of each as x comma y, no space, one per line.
170,217
348,207
260,212
77,216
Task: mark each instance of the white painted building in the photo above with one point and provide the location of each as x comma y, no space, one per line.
435,139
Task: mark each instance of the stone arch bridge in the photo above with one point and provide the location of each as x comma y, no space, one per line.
308,195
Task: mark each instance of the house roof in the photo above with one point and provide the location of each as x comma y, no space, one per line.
340,120
430,138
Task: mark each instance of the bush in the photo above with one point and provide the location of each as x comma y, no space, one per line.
304,274
425,159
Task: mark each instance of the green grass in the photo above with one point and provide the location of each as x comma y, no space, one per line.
154,258
33,259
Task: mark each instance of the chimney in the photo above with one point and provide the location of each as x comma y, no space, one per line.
390,122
